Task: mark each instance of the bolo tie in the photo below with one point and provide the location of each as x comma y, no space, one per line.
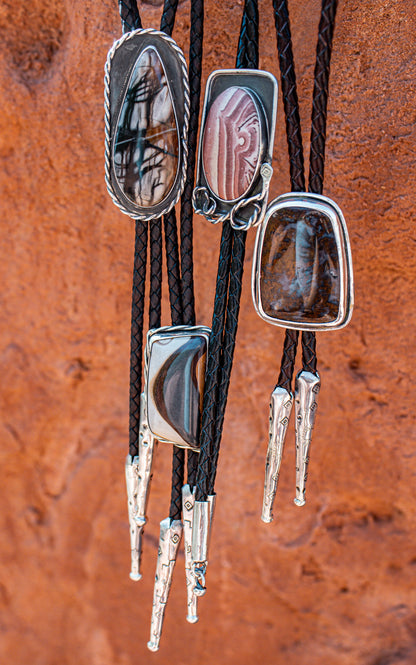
302,272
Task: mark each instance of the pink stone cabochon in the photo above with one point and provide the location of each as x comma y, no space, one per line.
231,143
333,583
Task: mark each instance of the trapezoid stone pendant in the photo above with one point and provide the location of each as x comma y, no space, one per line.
236,146
302,271
146,123
175,362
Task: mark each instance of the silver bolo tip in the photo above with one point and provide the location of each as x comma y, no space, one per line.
192,618
266,517
299,502
135,576
152,646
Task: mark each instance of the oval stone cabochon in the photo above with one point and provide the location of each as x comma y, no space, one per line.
232,141
146,152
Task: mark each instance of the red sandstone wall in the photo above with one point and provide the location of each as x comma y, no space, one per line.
330,584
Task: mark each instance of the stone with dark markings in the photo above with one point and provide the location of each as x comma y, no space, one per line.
300,272
146,152
231,148
176,379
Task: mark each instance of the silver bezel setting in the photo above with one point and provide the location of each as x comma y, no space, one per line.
120,63
166,333
251,205
327,207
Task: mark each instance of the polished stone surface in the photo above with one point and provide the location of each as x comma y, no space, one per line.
231,146
175,382
146,153
300,272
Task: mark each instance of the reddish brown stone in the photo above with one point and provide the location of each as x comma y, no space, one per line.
231,143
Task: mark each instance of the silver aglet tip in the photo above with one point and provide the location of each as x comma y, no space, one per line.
135,577
299,502
152,646
192,618
267,519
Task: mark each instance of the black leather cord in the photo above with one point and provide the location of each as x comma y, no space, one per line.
320,95
129,14
294,138
213,362
136,344
155,296
195,70
223,335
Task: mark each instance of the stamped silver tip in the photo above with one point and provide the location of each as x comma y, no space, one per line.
152,646
192,618
299,502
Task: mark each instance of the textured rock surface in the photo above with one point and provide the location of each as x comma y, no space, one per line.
333,582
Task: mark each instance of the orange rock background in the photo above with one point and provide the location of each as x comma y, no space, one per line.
332,583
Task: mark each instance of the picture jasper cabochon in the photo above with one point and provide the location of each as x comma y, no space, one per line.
236,145
146,123
302,271
175,361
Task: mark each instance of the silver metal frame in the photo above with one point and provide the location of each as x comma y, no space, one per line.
126,51
330,209
160,334
263,89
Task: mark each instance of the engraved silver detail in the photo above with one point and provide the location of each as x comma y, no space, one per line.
170,538
188,501
132,482
307,387
326,206
202,197
107,121
201,532
281,402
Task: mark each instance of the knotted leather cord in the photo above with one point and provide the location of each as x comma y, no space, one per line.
229,277
294,139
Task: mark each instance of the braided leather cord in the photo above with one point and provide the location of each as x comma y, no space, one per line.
290,96
213,361
195,69
129,14
219,368
155,296
168,16
318,136
173,268
136,344
231,325
287,364
296,160
175,297
188,298
320,95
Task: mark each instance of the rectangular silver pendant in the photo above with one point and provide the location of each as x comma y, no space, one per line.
302,270
146,123
236,146
175,362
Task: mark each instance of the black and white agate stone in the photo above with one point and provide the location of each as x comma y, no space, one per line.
175,361
236,139
302,274
147,112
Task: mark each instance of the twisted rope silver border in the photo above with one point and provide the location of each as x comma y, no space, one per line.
184,142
